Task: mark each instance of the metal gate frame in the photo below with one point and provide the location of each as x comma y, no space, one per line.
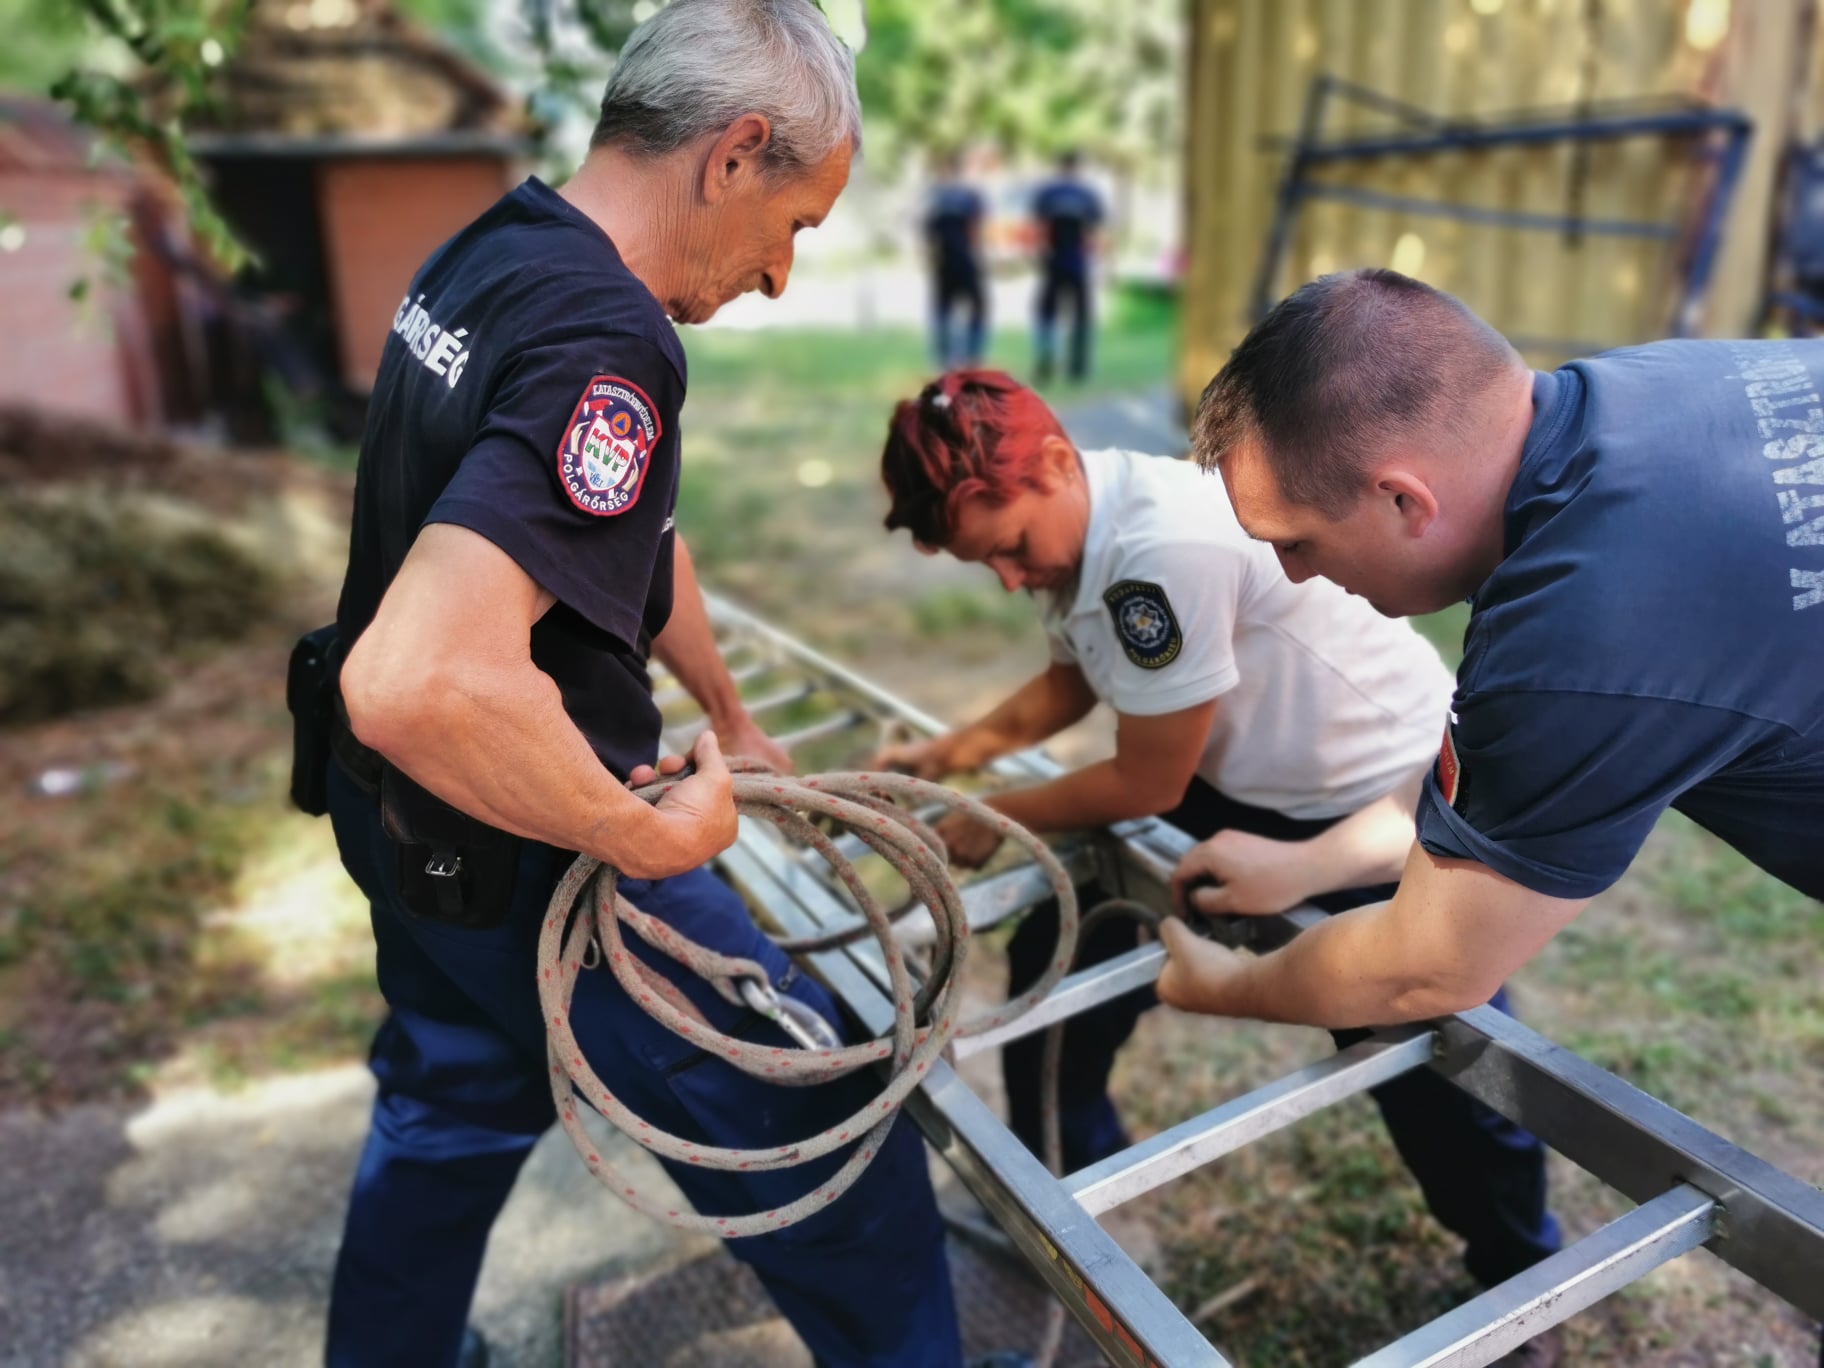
1721,138
1693,1187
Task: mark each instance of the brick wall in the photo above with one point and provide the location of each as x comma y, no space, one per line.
90,358
381,218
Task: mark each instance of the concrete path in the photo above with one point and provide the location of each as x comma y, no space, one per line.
1141,420
201,1231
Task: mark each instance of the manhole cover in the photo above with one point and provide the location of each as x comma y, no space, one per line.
712,1313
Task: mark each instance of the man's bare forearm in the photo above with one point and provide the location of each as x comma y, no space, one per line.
472,719
1343,972
1367,847
1445,943
687,646
499,746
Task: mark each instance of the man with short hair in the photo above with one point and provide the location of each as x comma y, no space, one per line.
512,563
953,240
1639,538
1069,215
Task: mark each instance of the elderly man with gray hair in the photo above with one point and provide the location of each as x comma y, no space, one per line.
512,564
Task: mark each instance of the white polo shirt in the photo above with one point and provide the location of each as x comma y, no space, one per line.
1325,704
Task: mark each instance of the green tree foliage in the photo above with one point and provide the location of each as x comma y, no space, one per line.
1033,76
182,41
44,38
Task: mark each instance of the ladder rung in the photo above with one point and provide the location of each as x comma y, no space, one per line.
1082,990
1191,1144
677,693
685,732
987,902
851,847
1504,1317
830,726
780,698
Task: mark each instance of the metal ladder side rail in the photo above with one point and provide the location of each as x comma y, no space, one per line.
1771,1224
1638,1145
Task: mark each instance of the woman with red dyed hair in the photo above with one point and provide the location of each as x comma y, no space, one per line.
1285,726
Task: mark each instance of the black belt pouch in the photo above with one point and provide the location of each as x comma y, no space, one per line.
310,693
452,868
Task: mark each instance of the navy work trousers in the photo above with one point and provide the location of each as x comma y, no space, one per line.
1483,1176
465,1092
1064,288
958,341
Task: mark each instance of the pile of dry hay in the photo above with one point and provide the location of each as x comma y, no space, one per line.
109,574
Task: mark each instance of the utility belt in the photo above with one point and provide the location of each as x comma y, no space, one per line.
451,867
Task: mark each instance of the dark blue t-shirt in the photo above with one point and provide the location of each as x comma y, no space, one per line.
1655,636
530,392
1068,211
951,219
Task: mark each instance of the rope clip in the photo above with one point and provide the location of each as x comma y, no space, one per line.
803,1024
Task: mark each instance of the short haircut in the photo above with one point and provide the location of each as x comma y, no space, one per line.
1339,369
969,434
698,65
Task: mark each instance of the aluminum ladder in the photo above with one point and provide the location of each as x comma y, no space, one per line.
1693,1188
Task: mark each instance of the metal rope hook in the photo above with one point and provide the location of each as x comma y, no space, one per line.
798,1021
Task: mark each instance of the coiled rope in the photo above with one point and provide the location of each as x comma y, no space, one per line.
924,1020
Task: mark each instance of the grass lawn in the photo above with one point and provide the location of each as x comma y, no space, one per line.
781,496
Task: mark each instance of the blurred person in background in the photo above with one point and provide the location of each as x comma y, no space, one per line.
1286,726
953,241
1068,213
513,561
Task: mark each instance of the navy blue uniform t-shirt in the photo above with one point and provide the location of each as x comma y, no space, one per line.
1655,636
530,392
951,219
1068,211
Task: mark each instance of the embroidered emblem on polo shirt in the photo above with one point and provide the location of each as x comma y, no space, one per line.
607,446
1144,623
1450,772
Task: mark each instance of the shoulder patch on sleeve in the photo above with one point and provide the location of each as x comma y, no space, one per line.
1450,771
607,446
1144,623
